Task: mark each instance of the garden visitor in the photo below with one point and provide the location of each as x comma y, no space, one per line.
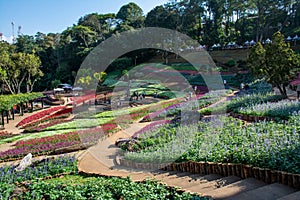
141,97
225,82
137,96
242,86
298,90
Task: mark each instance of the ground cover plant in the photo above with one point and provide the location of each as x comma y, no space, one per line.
39,169
280,110
196,102
81,187
72,185
242,100
228,140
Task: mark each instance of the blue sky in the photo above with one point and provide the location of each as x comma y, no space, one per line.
56,15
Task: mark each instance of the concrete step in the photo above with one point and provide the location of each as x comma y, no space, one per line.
229,191
175,176
188,181
184,179
205,187
293,196
267,192
160,175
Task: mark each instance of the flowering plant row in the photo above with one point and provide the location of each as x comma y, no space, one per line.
5,134
162,108
40,115
40,169
45,120
245,100
77,139
81,99
151,127
40,127
227,140
281,109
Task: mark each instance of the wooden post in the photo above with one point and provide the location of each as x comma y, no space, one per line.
21,109
31,104
7,119
13,113
2,118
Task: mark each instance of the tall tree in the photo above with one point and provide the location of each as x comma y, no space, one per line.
132,15
20,68
277,62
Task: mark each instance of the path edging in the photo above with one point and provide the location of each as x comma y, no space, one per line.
224,169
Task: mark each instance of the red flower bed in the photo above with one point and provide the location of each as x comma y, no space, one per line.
45,120
5,134
39,115
76,139
62,112
81,99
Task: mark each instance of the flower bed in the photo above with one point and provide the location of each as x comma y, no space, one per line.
38,170
45,120
243,101
280,110
5,134
164,108
58,143
81,99
41,127
97,187
228,140
151,127
39,115
58,178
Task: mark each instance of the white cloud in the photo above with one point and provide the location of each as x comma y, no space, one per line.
7,39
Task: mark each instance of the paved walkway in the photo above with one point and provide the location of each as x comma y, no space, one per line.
103,156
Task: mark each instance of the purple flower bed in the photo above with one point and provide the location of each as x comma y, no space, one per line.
151,127
151,116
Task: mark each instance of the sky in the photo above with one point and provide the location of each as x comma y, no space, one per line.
54,16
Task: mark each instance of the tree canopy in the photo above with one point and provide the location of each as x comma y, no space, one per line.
18,69
276,62
208,21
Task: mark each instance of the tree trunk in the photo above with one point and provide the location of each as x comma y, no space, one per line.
7,119
282,90
13,114
2,118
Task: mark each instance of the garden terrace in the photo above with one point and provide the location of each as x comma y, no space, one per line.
226,140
